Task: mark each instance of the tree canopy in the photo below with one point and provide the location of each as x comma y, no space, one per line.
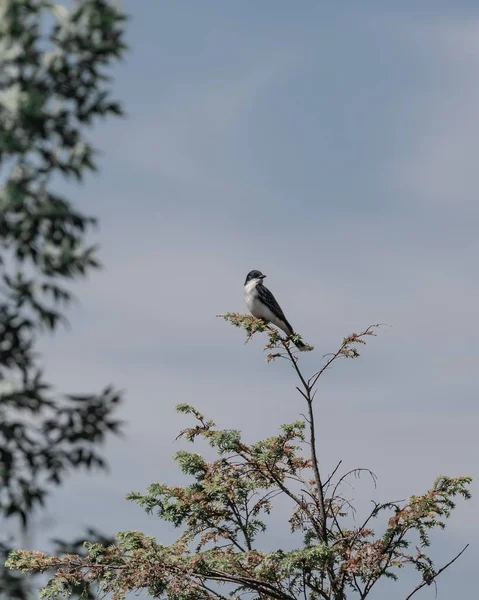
222,516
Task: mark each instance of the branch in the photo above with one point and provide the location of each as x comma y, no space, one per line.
312,439
328,480
344,350
318,590
320,502
259,585
211,591
431,579
356,472
239,521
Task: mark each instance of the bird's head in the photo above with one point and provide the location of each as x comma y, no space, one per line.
254,275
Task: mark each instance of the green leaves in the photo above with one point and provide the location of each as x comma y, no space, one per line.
429,511
221,516
127,541
54,84
221,513
191,463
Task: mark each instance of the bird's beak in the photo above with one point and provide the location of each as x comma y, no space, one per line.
262,276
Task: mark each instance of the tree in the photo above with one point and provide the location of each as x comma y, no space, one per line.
222,515
53,86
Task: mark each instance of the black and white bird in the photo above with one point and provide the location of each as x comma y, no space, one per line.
262,304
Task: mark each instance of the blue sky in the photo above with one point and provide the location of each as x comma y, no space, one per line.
334,148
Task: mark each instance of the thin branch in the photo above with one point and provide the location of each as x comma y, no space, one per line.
312,440
294,361
216,594
320,502
240,524
356,472
333,473
314,378
358,587
393,543
353,338
245,454
302,393
430,580
260,585
318,590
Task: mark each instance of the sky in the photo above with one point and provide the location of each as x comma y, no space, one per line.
334,147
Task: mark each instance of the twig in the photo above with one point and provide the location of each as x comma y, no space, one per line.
430,580
333,473
312,440
352,339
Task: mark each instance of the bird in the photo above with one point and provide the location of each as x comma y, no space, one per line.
263,305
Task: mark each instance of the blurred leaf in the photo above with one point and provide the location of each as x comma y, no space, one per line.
53,72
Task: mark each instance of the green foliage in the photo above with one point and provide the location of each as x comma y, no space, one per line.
84,545
54,84
221,515
252,325
13,583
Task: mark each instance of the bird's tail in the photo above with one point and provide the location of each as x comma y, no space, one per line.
301,346
289,331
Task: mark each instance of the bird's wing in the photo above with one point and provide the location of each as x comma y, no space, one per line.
267,298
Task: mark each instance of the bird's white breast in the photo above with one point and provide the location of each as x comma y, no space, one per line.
250,287
251,296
